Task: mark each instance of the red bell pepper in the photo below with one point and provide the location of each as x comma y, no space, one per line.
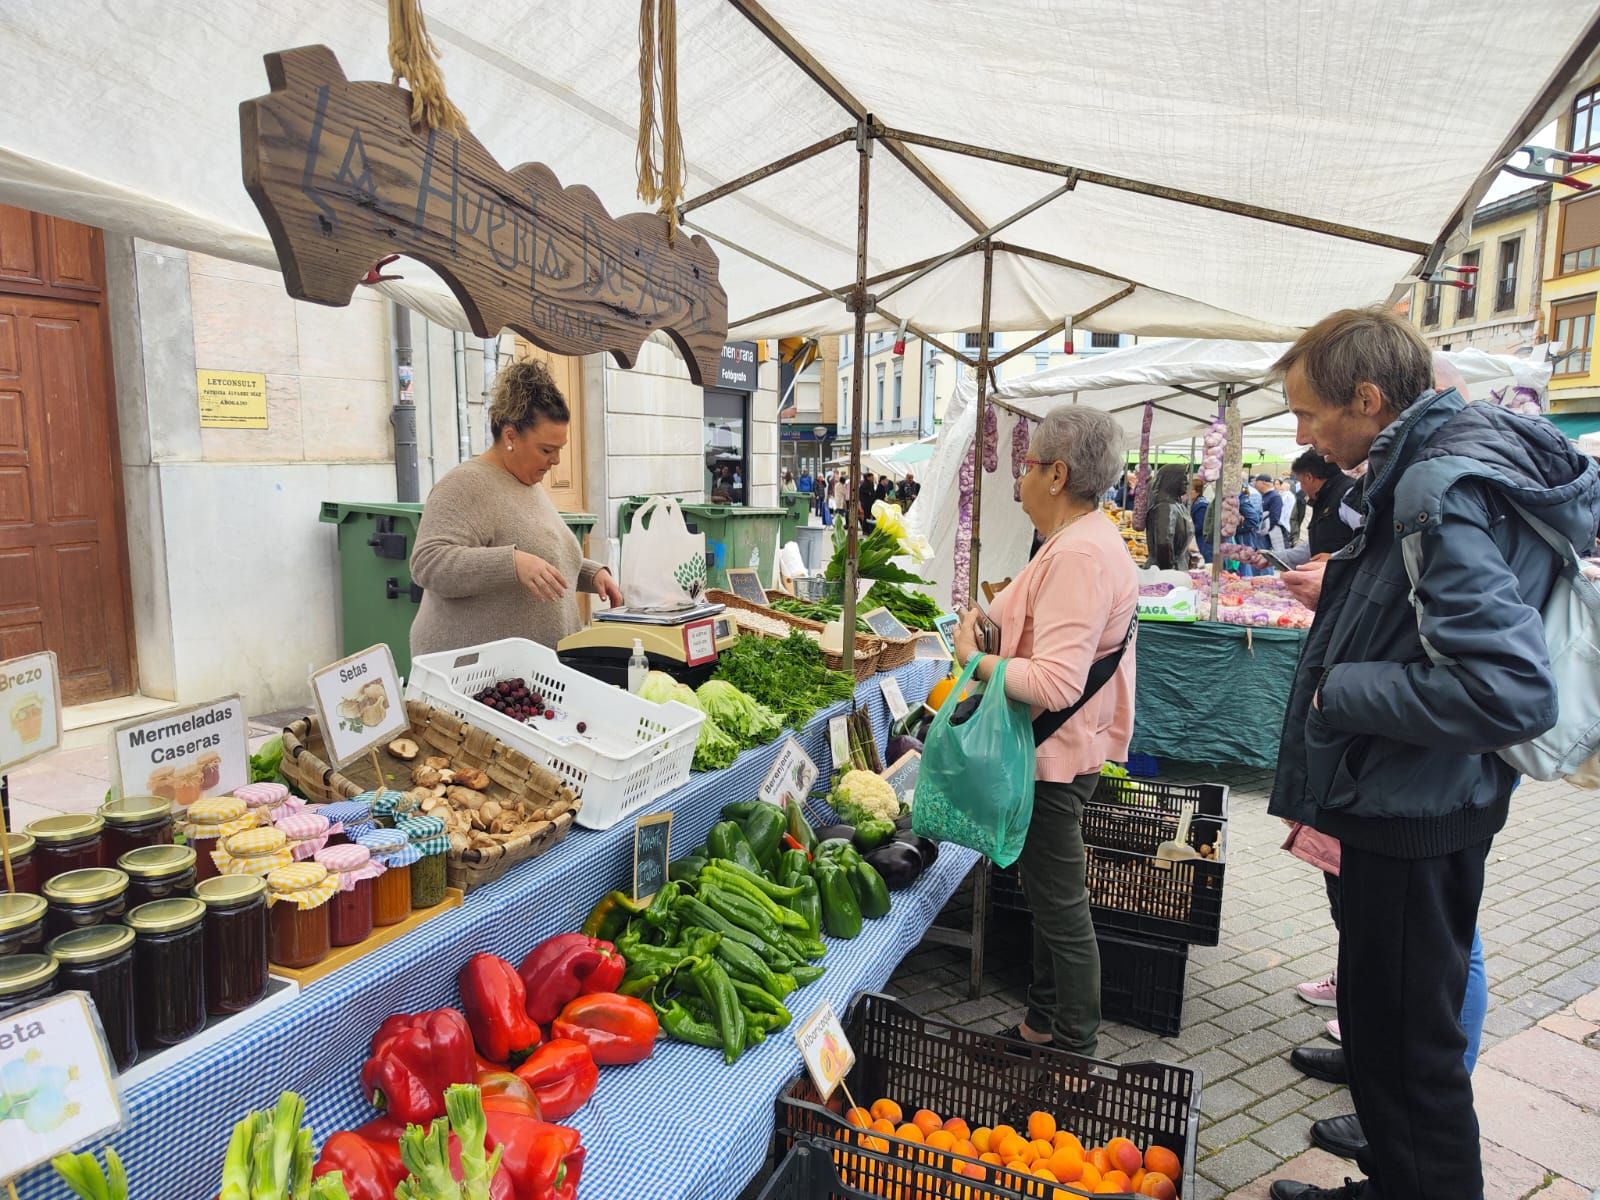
563,1075
543,1162
617,1029
414,1058
497,1009
565,967
371,1167
504,1092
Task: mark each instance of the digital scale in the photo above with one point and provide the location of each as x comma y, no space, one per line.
684,643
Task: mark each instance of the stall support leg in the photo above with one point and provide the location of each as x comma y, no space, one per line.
860,303
978,430
980,926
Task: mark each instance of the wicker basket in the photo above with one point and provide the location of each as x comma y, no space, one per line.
513,777
869,648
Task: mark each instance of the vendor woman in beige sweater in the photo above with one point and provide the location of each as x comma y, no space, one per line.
493,555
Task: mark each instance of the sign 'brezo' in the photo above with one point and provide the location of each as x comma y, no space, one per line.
342,180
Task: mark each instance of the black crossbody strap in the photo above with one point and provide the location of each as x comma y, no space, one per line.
1100,673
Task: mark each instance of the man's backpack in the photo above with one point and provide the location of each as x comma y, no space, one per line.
1571,618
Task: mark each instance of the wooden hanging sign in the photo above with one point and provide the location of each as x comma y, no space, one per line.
342,180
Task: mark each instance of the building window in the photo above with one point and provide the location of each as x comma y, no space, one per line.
844,347
1430,305
1574,333
973,342
726,436
1586,121
899,386
1505,275
1104,341
1467,301
1580,235
879,409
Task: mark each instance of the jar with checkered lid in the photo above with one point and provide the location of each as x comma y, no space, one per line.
350,920
307,832
391,891
299,932
428,873
258,851
207,822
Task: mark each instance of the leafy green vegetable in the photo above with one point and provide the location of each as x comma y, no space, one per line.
748,721
873,554
82,1173
816,610
265,761
914,610
788,676
715,749
659,687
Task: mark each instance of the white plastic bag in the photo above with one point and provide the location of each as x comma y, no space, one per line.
663,564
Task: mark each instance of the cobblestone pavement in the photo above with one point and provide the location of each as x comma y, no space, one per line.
1537,1082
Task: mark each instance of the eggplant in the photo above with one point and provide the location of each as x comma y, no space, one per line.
829,833
899,864
901,746
926,847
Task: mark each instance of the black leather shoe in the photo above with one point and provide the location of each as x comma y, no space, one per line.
1287,1189
1339,1135
1320,1063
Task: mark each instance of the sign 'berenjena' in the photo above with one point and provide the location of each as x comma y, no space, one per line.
342,179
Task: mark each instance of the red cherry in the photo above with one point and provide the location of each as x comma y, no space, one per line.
549,714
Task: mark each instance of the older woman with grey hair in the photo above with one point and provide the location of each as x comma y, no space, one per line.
1064,627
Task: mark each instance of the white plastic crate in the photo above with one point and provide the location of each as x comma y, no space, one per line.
631,752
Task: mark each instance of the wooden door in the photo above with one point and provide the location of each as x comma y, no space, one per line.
565,480
63,561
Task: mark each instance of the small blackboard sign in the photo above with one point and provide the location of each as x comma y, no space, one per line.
652,844
745,583
885,624
902,777
931,645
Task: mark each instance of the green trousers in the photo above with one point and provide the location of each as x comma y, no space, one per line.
1065,997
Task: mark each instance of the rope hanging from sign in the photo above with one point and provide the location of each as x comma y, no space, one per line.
414,57
660,182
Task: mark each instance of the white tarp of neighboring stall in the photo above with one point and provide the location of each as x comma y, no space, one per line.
1120,382
126,116
1589,443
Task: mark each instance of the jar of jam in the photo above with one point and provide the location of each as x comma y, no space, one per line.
21,923
270,799
24,865
69,843
307,832
158,873
428,873
26,979
299,930
391,891
351,919
93,896
236,941
169,958
207,822
351,819
258,852
388,806
134,821
100,961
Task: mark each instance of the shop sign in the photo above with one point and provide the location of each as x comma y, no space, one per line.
343,181
827,1051
738,368
359,704
59,1083
184,753
894,698
232,399
30,708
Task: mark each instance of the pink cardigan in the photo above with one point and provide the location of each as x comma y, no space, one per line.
1068,607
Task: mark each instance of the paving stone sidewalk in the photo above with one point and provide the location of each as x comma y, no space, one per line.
1538,1078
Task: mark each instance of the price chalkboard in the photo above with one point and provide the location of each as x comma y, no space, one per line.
946,625
652,852
745,583
931,645
902,777
885,624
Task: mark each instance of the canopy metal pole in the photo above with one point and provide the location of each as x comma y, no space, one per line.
1214,513
978,431
859,303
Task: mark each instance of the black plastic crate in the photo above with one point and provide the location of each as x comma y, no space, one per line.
1141,982
827,1170
986,1080
1005,890
1122,826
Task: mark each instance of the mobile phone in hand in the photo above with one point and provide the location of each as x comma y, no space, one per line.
1274,561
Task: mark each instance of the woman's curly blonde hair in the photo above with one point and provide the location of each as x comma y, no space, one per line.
524,395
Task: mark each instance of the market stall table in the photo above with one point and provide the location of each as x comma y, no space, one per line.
678,1125
1213,693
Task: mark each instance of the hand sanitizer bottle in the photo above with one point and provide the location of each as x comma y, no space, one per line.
638,667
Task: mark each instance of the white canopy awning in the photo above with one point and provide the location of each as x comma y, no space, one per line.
1181,126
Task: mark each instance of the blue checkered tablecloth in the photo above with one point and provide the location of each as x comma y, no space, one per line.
678,1125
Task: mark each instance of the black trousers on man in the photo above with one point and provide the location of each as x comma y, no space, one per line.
1405,939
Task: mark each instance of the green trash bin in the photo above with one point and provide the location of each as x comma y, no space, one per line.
798,505
736,536
377,599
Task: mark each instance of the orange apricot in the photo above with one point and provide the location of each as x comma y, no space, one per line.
910,1132
1098,1159
1011,1146
1120,1179
941,1139
1124,1155
1159,1158
1157,1185
1040,1172
1066,1166
981,1136
1064,1139
1042,1150
887,1109
959,1128
859,1117
882,1125
1090,1178
1041,1126
926,1121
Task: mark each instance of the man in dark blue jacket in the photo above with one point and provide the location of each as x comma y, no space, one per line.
1394,755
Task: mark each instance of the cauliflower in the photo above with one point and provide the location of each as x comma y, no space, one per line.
867,793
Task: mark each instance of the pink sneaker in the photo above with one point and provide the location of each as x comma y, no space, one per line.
1323,992
1333,1030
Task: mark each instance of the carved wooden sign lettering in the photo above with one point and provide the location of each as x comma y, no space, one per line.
341,180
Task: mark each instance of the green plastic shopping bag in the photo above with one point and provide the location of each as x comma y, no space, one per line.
975,785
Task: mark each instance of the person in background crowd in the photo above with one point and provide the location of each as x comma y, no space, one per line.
1248,534
1199,508
1273,533
1122,494
1297,514
885,488
908,491
804,482
788,480
1394,754
866,497
1072,605
842,498
1169,529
